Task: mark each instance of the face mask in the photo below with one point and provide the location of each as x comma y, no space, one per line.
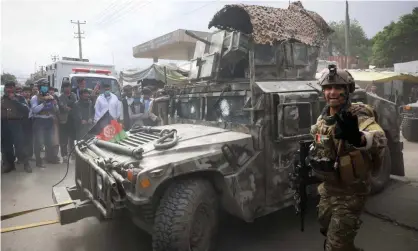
44,89
107,93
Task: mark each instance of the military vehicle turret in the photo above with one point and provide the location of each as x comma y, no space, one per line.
229,138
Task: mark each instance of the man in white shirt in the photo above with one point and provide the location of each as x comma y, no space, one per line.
107,101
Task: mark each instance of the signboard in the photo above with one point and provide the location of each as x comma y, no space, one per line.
75,59
155,43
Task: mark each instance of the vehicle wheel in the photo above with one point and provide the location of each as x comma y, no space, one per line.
407,130
187,217
381,176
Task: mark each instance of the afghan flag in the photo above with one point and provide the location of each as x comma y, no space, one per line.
109,129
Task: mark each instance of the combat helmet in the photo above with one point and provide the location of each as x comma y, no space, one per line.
336,76
42,81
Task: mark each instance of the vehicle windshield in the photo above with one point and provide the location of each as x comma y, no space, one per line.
92,81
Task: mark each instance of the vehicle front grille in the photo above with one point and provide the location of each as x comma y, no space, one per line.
138,139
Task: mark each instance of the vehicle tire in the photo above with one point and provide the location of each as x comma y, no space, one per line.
407,130
187,217
380,176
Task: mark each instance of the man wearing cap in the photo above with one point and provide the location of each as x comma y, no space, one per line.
13,112
107,102
44,106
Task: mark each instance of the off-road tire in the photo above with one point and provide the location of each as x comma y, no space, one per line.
184,204
407,130
381,176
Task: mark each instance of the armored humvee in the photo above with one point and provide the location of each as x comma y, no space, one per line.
229,138
410,121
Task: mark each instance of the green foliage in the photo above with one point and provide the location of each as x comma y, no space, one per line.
5,77
359,43
397,42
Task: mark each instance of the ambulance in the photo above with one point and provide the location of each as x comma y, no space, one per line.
73,70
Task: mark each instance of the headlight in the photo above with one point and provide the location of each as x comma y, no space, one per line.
99,181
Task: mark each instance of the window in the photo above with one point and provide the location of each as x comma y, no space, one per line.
300,54
92,81
296,119
264,55
189,108
227,109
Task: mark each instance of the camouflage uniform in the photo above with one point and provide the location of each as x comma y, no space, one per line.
341,204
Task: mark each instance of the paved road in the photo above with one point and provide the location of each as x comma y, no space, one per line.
279,231
411,159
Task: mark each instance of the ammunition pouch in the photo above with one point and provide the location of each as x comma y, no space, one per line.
324,170
352,166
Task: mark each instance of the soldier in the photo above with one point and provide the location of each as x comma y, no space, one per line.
348,145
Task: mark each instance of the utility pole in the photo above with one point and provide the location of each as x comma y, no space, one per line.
42,70
347,34
55,58
79,33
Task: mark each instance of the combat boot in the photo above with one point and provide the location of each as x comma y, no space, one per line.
40,164
7,168
27,167
65,159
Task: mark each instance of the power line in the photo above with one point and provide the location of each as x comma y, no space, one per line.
117,19
109,7
79,37
188,12
107,17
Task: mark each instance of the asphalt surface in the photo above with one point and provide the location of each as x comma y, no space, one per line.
396,228
410,152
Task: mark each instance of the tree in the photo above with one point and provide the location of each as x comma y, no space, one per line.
5,77
359,44
397,42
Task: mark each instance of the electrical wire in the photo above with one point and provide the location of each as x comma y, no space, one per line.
72,150
128,12
125,7
111,10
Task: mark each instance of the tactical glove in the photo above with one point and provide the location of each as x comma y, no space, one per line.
347,128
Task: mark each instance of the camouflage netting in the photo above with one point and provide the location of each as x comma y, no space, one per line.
268,25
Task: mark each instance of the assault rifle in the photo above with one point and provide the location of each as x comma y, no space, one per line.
300,178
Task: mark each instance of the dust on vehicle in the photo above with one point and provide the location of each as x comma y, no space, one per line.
231,135
410,121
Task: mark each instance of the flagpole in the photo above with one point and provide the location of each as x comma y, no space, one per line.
347,34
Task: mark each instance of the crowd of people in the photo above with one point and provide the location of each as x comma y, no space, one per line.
36,119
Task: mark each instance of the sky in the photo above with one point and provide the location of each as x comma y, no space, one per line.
34,30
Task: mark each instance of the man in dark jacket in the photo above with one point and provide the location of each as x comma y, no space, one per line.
128,107
81,85
13,112
66,121
83,114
